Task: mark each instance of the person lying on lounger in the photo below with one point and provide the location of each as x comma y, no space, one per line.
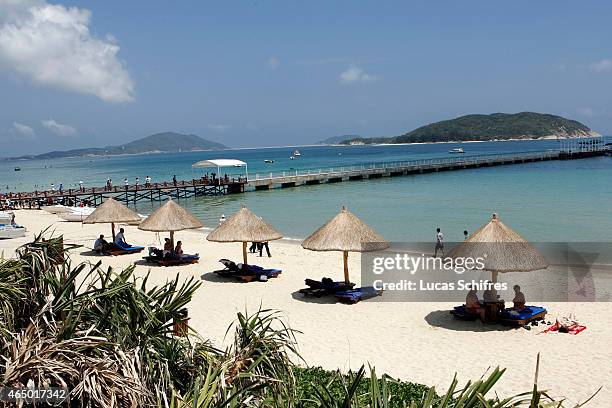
519,298
473,305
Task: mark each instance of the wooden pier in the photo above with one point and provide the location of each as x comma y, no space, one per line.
158,192
390,169
131,194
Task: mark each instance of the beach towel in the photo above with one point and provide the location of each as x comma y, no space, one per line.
558,328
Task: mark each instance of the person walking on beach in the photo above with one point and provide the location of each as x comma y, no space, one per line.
439,243
222,219
465,235
52,186
253,247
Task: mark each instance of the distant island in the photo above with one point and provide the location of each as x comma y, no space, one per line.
167,142
338,139
497,126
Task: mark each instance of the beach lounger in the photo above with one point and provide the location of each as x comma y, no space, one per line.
353,296
173,260
515,317
246,273
324,287
118,249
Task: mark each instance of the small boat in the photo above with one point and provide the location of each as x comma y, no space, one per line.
11,231
17,168
268,161
296,153
457,150
291,157
78,214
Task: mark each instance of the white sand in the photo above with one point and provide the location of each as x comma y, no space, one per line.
416,342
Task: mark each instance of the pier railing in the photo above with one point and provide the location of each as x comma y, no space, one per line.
420,164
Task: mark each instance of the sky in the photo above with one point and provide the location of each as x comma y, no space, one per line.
277,72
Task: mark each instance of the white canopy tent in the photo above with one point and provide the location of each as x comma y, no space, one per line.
218,163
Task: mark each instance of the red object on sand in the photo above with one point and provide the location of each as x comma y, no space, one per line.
574,329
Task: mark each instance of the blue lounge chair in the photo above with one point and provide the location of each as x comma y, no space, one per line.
512,316
356,295
246,273
121,249
324,287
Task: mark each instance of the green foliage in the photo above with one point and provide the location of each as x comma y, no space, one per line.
333,385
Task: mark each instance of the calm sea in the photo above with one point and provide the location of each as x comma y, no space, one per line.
546,201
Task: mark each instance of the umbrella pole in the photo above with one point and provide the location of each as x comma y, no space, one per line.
113,230
244,253
494,281
346,274
172,239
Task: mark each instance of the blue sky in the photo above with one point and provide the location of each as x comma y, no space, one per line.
263,73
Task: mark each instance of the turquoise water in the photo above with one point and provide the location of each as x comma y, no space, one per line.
545,201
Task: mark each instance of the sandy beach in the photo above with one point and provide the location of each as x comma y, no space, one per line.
417,342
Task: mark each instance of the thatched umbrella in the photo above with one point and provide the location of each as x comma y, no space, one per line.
347,233
170,217
111,211
244,226
501,248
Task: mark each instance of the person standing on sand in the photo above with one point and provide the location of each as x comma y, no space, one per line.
147,181
465,235
439,243
127,183
174,180
222,219
261,246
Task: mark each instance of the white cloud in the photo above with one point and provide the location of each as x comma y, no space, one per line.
602,66
24,130
58,128
273,62
51,45
355,74
219,128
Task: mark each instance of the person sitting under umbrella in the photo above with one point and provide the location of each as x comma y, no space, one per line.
473,305
120,239
519,298
100,245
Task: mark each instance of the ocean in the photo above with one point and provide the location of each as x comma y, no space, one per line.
544,201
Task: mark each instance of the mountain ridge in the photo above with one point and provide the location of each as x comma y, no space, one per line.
488,127
164,142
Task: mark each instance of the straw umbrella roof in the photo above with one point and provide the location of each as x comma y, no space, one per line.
501,248
244,226
111,211
345,232
170,217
